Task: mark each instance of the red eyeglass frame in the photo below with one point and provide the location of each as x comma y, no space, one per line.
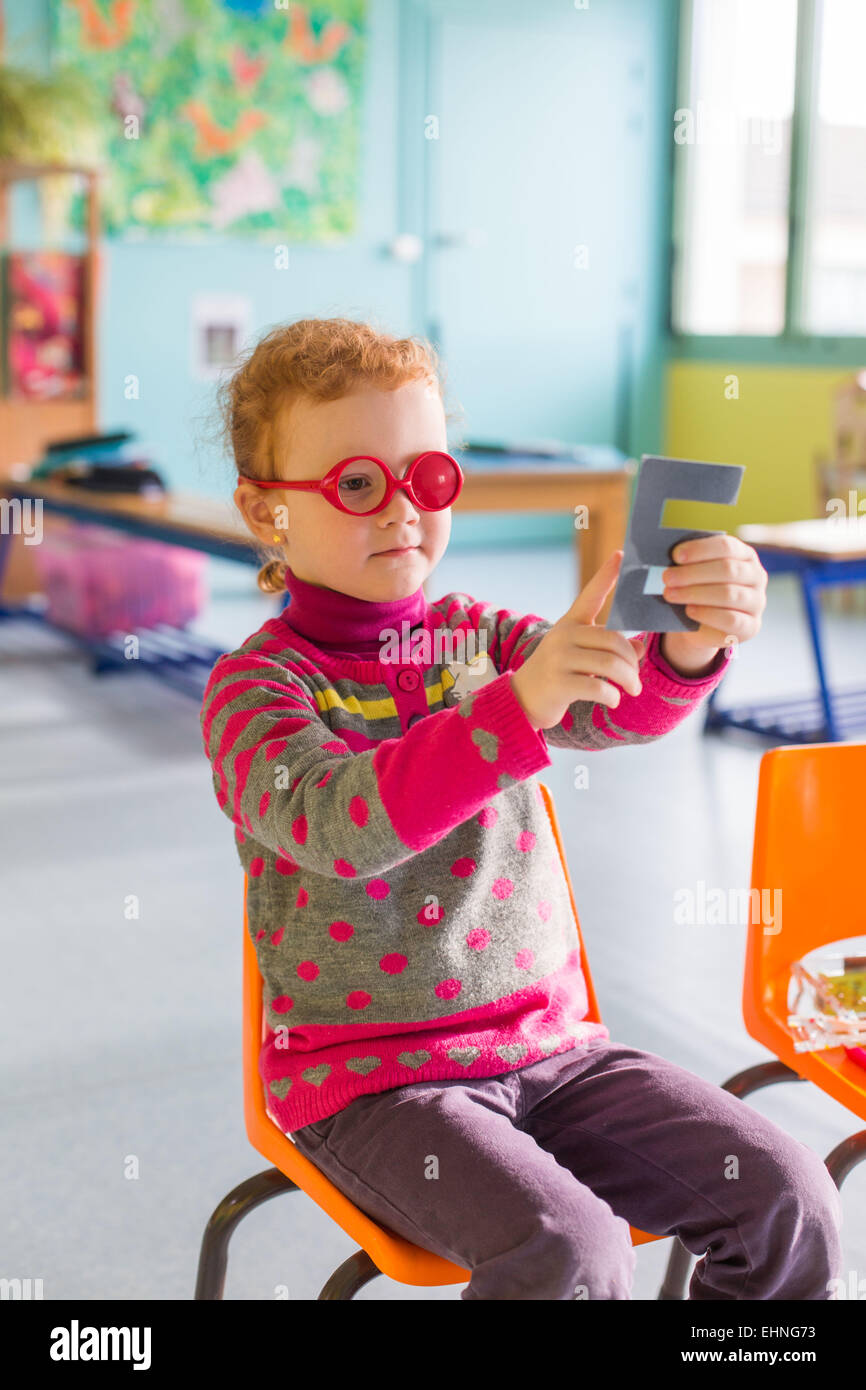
327,486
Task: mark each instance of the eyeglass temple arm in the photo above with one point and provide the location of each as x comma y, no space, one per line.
279,482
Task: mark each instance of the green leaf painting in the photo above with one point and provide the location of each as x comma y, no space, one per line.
230,117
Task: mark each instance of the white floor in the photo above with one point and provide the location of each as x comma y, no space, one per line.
122,1122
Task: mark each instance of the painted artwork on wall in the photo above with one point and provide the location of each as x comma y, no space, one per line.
235,117
44,326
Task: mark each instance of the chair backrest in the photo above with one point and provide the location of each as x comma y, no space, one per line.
810,830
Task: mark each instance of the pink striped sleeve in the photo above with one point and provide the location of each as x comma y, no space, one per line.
285,777
666,698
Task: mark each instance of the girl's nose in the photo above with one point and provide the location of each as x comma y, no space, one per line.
401,506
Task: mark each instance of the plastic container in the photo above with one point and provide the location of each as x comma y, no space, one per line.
99,582
827,997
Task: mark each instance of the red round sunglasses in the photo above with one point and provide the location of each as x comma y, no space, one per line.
433,481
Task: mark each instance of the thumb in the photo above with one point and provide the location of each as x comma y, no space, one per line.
590,600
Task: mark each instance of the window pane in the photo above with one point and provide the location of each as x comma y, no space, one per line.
732,155
835,287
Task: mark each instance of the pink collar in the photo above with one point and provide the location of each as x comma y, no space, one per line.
328,617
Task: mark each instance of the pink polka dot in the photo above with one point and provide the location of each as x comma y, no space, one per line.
222,798
358,999
341,931
277,936
308,970
488,816
260,934
295,783
282,1004
247,822
344,868
359,810
303,898
462,868
299,830
539,793
240,837
567,720
544,911
524,960
378,888
478,939
335,746
256,867
526,840
393,964
274,750
502,888
446,989
264,804
430,915
326,777
286,867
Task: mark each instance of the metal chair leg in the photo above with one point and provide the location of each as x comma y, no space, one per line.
351,1276
210,1282
676,1273
846,1156
740,1085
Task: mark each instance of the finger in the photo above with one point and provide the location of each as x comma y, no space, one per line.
704,548
714,637
722,620
606,639
726,571
738,597
609,666
596,691
590,600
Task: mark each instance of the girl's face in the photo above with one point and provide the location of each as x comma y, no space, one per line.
334,549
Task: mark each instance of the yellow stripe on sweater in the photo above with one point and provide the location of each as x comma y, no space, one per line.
383,708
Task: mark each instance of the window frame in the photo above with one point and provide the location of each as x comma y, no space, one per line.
793,345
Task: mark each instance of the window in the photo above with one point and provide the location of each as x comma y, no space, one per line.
770,169
835,262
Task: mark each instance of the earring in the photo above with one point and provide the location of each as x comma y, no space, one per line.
277,539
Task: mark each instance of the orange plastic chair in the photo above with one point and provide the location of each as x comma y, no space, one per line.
382,1251
810,826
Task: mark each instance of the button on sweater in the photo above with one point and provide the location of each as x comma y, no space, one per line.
406,899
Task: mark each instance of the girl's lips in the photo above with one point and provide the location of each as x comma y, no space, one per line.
404,550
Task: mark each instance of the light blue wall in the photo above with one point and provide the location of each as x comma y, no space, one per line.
145,316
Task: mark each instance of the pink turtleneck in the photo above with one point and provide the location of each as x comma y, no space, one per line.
343,624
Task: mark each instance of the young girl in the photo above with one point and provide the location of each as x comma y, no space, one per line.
427,1045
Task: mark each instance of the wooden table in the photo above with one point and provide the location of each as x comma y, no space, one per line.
557,487
215,527
821,552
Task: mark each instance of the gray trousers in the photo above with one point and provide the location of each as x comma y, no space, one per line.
530,1179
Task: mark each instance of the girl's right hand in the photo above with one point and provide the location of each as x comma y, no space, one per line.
572,660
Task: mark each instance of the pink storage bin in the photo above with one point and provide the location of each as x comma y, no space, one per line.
98,582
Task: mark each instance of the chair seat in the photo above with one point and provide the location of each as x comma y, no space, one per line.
395,1256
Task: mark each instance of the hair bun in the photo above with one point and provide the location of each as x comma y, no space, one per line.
271,578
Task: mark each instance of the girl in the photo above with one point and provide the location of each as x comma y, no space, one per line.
427,1045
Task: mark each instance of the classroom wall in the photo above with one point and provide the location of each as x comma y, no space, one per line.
781,419
149,285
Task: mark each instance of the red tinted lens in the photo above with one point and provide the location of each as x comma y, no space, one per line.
436,481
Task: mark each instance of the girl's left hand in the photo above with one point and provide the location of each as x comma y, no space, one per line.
724,587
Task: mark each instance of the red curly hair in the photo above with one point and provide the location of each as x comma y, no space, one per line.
321,360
